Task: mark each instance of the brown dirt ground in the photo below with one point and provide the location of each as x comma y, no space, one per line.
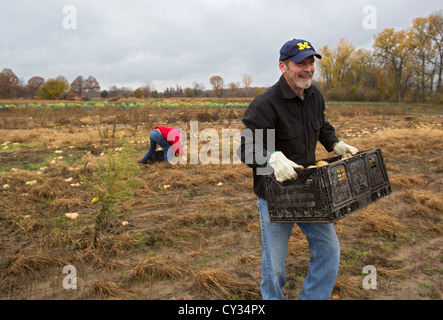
200,239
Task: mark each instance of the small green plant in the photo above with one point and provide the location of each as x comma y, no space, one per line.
112,181
105,134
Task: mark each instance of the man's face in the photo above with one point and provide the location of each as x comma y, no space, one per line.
299,75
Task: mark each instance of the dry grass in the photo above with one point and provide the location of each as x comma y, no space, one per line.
298,245
376,222
433,201
67,204
426,204
406,181
159,268
184,238
188,219
423,143
389,273
248,259
222,284
110,289
346,287
31,262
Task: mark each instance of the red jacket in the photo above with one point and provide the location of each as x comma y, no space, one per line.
172,135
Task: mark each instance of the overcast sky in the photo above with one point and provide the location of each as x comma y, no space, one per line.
179,42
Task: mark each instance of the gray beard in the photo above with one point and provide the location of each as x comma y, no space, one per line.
303,86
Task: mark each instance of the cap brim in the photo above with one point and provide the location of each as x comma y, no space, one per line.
303,55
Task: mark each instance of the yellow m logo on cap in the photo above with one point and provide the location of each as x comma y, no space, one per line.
303,46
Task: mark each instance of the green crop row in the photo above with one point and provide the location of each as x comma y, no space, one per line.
124,105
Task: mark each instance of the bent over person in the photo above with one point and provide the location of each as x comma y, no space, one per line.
167,138
294,110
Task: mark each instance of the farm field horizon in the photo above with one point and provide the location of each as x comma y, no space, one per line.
192,231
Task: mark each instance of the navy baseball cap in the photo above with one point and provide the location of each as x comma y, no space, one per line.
297,50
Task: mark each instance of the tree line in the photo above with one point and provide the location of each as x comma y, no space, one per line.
403,66
36,87
11,87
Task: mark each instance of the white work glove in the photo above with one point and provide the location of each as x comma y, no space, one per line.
345,150
284,169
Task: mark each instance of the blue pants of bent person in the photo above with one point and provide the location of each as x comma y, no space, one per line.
155,137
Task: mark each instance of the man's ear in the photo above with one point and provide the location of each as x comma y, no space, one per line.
283,67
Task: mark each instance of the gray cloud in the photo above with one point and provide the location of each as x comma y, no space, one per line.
170,42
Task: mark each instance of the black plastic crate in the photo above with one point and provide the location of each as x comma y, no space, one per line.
158,156
331,192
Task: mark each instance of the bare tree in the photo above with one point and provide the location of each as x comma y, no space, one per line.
77,87
91,87
233,88
198,88
247,80
34,84
62,78
146,90
9,84
436,34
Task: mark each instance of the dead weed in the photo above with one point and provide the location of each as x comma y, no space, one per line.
376,222
159,268
222,285
110,289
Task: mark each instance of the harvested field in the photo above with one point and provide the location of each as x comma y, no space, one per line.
192,231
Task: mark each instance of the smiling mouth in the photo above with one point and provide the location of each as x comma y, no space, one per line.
305,78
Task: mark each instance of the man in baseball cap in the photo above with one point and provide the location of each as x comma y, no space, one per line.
293,109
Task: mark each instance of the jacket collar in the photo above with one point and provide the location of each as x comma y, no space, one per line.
288,93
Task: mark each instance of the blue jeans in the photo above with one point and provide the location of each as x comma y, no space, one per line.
323,264
155,137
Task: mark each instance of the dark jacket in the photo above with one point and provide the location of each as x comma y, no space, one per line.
296,124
